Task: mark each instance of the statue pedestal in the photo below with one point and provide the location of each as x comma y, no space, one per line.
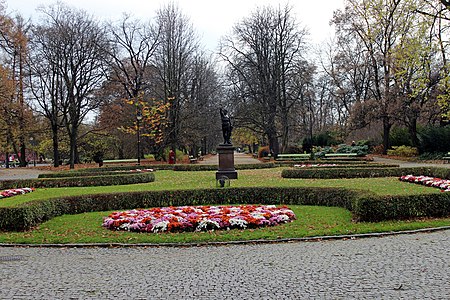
226,162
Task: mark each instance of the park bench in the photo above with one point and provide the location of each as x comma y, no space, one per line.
296,156
192,159
340,155
446,158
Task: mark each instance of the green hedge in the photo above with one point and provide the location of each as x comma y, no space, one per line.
331,173
199,167
82,173
98,180
344,166
104,170
28,215
372,208
365,206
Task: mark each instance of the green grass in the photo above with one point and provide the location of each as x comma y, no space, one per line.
311,221
170,180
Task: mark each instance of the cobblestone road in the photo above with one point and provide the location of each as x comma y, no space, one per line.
397,267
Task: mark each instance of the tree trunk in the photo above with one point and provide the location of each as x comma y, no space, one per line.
412,128
55,149
386,130
73,146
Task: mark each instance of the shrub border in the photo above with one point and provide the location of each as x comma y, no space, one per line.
366,207
335,173
80,181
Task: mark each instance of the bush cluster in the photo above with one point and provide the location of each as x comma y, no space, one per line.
363,172
366,207
370,208
196,167
28,215
405,151
93,180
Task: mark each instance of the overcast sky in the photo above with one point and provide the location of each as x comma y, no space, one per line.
211,18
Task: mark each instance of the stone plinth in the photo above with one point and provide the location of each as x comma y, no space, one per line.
226,162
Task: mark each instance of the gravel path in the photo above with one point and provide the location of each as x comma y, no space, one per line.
20,173
397,267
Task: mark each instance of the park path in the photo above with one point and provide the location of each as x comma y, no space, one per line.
396,267
20,173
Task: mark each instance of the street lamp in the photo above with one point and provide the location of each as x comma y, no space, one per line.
138,118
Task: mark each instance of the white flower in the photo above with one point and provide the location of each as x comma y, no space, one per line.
238,223
160,226
205,223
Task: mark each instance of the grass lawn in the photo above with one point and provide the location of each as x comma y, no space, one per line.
171,180
311,221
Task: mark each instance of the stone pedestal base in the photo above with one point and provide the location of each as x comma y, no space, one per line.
226,162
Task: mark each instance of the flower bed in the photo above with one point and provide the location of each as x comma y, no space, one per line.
142,170
14,192
198,218
442,184
315,165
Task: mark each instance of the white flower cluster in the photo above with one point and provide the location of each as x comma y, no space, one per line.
206,224
160,226
238,223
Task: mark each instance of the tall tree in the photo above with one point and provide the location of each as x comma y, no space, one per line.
174,60
264,55
81,45
14,42
46,82
379,25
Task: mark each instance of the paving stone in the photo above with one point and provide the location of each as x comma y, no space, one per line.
397,267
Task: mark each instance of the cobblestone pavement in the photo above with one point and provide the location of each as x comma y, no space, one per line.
397,267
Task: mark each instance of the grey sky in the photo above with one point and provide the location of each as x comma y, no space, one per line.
211,18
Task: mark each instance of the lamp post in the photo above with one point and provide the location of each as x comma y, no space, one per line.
138,119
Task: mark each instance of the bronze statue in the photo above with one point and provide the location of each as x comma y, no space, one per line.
227,127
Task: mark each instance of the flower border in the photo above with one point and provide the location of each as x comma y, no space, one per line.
443,184
315,165
15,192
198,218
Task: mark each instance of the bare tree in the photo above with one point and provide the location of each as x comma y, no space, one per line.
80,45
133,45
265,58
173,61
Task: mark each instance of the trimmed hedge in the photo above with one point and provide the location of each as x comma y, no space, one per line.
333,173
365,206
82,173
177,167
28,215
343,166
103,170
379,208
198,167
99,180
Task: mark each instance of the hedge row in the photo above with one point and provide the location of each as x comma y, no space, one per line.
344,166
28,215
118,179
366,207
103,170
197,167
333,173
82,173
380,208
